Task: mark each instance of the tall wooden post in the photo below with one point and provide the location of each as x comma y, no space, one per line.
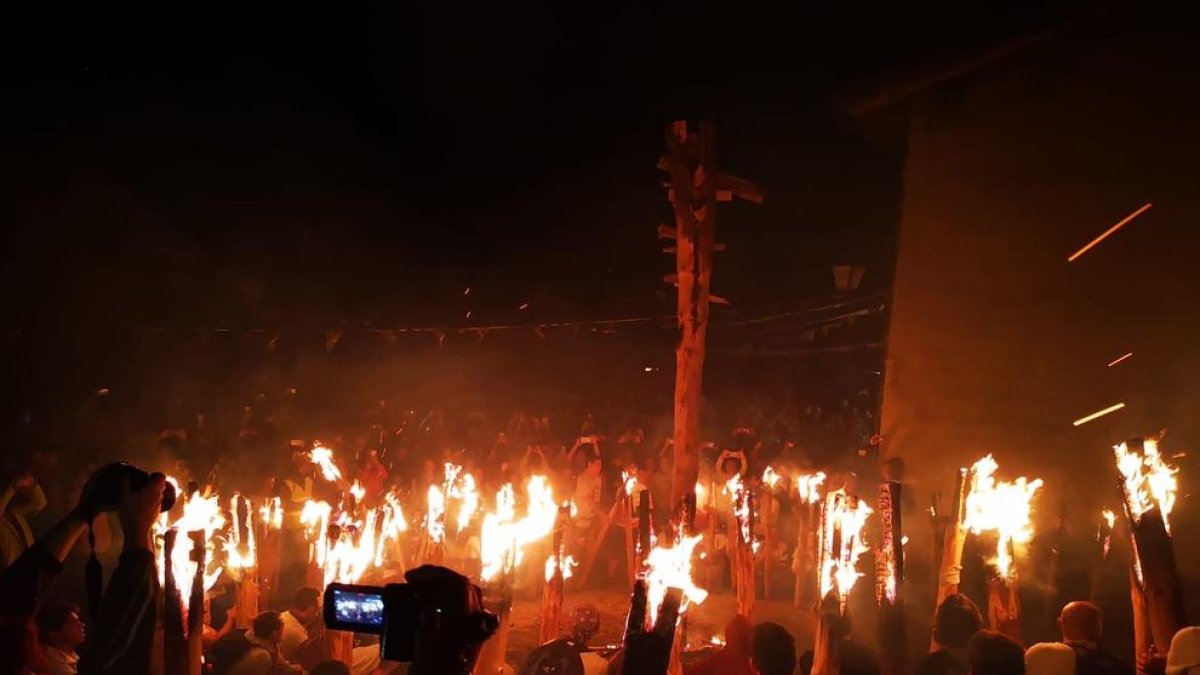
694,189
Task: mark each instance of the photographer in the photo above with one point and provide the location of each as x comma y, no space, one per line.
124,635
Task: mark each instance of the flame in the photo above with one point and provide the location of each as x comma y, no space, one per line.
672,568
630,481
843,542
358,491
272,513
770,477
237,555
809,486
435,514
200,514
504,537
323,457
1001,507
392,525
314,516
741,507
1109,517
701,493
565,564
1148,481
461,486
718,641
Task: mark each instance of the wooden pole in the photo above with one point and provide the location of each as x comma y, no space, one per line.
954,539
827,641
803,563
174,640
589,562
493,652
195,619
552,592
768,517
743,562
889,589
1160,578
696,185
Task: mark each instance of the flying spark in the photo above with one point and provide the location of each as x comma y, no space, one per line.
1119,360
1098,414
1109,231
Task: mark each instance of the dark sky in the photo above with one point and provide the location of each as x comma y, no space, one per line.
369,161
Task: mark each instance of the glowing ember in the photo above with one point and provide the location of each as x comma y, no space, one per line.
843,542
714,640
565,565
1148,481
809,486
323,458
770,477
1001,507
672,568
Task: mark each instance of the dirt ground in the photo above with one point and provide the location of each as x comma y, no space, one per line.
704,621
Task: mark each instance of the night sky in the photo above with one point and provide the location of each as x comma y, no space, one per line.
254,165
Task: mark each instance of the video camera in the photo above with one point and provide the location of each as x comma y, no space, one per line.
441,612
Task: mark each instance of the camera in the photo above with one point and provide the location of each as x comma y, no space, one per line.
394,612
103,490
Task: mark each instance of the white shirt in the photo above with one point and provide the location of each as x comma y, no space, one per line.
59,662
294,635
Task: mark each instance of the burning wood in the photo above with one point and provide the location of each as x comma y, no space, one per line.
1002,509
1148,486
323,458
741,544
841,544
889,581
558,570
804,558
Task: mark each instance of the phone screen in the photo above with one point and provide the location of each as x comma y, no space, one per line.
358,608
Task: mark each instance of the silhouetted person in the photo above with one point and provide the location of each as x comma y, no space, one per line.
1082,625
993,653
773,650
956,620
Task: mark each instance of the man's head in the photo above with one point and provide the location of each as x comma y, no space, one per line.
992,653
306,604
585,621
956,620
1081,622
268,627
61,626
1050,658
773,649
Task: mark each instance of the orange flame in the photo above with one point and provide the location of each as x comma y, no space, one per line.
1001,507
843,542
239,554
565,564
1148,481
435,514
809,486
200,514
672,568
770,477
323,458
504,538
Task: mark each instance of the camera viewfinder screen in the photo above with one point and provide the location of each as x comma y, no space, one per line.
364,609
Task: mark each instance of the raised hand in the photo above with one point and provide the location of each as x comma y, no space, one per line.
648,652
